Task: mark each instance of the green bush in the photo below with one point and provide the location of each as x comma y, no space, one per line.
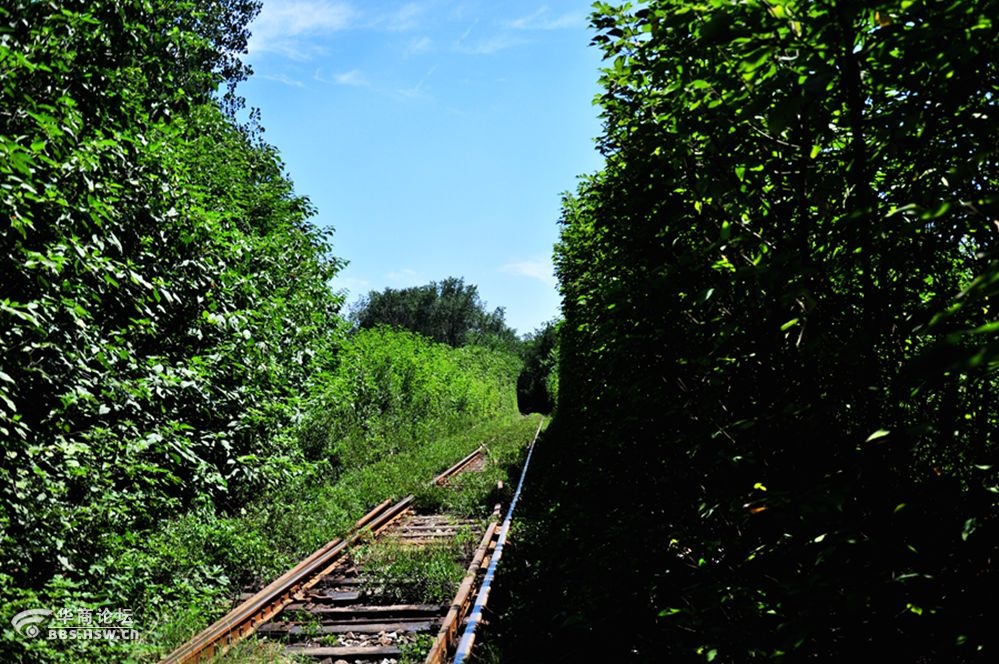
392,388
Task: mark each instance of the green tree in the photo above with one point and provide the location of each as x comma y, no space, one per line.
163,297
449,312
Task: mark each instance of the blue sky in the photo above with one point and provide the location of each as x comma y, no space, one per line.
434,136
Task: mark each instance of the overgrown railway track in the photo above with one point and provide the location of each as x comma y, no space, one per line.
329,606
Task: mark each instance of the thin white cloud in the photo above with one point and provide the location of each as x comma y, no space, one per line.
543,19
283,78
488,46
467,32
459,43
286,26
417,90
419,46
408,17
540,269
354,78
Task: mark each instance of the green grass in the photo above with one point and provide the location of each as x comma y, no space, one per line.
402,574
416,652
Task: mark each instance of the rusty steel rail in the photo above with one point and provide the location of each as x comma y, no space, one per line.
442,479
242,621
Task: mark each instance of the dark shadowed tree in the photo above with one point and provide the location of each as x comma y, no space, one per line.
535,384
776,420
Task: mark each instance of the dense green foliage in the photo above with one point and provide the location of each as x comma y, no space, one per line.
777,368
163,297
450,312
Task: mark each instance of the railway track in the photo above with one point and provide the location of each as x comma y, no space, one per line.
335,606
